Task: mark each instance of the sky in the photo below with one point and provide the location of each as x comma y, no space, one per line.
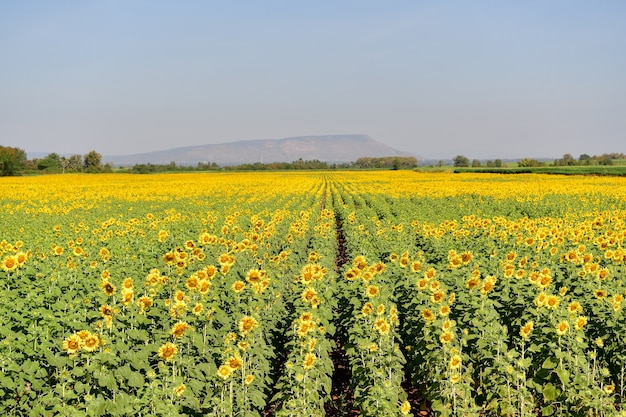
484,79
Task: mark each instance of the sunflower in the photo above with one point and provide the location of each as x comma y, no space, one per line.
210,271
9,264
308,294
179,296
372,291
472,283
466,257
352,274
179,329
367,309
444,310
488,284
562,328
179,390
247,324
144,303
405,408
446,337
21,258
167,351
526,330
197,309
108,288
224,371
380,310
580,323
192,282
428,315
249,379
127,296
448,324
305,327
309,361
253,276
359,263
600,294
422,284
91,342
416,266
106,310
104,254
163,234
234,362
574,307
552,302
367,276
72,344
455,362
603,274
540,300
238,286
438,297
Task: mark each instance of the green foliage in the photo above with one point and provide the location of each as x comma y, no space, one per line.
461,161
387,162
12,160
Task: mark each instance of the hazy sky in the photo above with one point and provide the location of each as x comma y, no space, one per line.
486,79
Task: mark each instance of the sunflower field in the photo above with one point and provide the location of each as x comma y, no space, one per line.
251,294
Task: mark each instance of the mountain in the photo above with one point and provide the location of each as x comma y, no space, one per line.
330,149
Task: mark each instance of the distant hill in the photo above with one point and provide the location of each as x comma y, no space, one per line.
331,149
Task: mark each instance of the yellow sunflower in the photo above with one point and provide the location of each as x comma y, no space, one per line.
167,351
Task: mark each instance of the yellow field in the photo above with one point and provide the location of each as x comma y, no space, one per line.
234,293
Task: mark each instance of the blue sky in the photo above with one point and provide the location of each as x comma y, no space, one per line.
486,79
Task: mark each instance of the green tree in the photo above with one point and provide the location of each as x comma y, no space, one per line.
52,162
12,160
74,163
475,163
92,162
529,163
461,161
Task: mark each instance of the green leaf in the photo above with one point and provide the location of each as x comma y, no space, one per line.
135,380
563,375
107,380
547,410
550,392
548,364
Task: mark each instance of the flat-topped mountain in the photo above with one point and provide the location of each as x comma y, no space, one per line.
330,149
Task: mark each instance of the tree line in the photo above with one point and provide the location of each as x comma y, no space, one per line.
13,161
566,160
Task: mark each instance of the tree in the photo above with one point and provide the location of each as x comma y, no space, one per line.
475,163
568,159
12,160
528,163
498,163
75,163
461,161
52,162
92,162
